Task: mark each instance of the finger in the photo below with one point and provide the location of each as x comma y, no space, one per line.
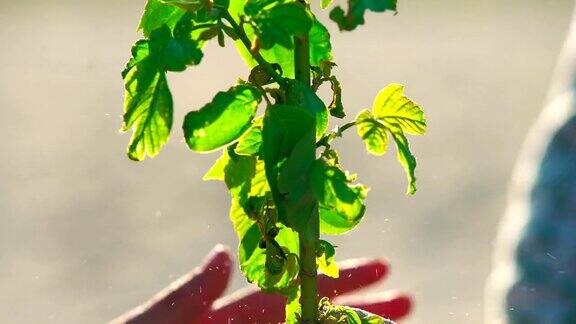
390,305
248,305
186,299
354,274
251,305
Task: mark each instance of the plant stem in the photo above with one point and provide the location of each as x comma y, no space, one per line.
302,59
201,26
308,272
255,54
308,238
344,127
327,138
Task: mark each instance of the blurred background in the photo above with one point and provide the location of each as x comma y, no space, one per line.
86,234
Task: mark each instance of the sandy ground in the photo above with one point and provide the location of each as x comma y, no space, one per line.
85,233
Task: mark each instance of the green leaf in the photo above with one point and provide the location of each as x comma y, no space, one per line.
140,53
284,127
354,16
394,114
292,17
287,130
173,54
236,171
320,47
293,308
260,76
223,120
157,14
293,184
237,176
259,183
308,100
251,142
406,159
274,265
320,50
148,106
181,53
253,7
217,171
187,5
278,24
396,110
359,316
248,188
326,261
252,259
347,315
180,17
341,202
372,132
293,175
244,175
241,222
325,3
336,107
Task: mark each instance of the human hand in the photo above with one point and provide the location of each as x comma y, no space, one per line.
195,297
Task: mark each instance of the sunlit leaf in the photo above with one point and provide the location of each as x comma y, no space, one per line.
396,110
341,202
373,132
406,159
259,183
240,219
344,314
395,114
251,142
222,121
247,186
217,171
326,260
244,175
320,47
148,106
238,174
325,3
293,308
157,14
253,7
252,259
274,266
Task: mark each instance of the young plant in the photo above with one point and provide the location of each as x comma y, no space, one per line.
285,179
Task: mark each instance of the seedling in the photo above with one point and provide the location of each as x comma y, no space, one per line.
285,178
